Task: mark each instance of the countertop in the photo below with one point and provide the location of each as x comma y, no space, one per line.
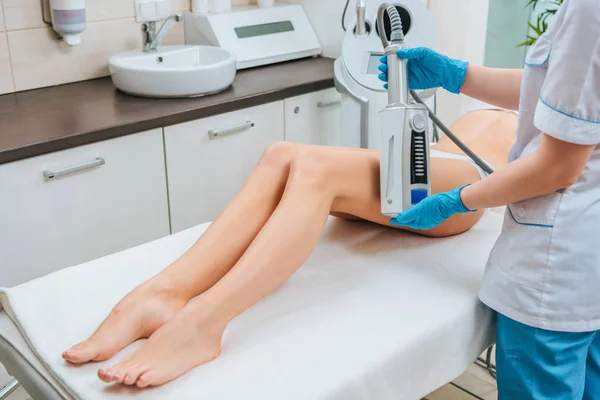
60,117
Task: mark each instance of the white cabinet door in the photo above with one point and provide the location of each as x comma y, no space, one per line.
205,171
48,224
314,118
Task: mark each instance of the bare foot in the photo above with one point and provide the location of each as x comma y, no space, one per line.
137,315
190,339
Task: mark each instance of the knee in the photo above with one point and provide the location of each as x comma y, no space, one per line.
309,168
278,154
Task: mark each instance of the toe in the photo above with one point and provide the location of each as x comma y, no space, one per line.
105,375
118,377
83,352
114,373
132,374
145,380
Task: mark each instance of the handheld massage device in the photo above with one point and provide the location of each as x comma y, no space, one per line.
404,157
404,169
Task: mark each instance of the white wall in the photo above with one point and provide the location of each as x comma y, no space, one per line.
326,19
462,26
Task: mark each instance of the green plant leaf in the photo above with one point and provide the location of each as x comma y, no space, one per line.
541,24
530,40
536,28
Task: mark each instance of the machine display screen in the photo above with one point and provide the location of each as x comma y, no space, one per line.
373,64
249,31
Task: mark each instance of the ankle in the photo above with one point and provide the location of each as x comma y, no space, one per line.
207,313
165,289
176,281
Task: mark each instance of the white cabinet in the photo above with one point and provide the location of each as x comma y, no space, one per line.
51,223
314,118
209,160
112,195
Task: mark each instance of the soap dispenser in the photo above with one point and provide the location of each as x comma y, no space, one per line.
68,19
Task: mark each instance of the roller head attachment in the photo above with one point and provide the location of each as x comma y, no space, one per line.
397,34
397,73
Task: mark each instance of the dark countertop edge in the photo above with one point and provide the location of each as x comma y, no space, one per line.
67,142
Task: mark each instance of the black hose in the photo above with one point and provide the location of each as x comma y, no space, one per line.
344,15
482,164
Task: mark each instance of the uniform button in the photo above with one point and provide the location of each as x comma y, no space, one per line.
521,211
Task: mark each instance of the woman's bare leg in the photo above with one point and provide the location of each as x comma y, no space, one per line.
320,180
155,302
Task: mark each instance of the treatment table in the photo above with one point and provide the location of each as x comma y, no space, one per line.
375,313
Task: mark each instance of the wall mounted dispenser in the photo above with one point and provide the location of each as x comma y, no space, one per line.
67,17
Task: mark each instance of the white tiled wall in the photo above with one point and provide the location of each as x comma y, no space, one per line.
31,57
6,81
38,59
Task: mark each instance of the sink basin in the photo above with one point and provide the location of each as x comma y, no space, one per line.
173,71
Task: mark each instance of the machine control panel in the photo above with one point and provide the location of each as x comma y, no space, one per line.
418,155
404,166
418,195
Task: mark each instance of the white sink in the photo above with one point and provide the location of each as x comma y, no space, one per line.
173,71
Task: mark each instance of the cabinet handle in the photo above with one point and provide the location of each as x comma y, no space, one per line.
242,127
69,170
325,104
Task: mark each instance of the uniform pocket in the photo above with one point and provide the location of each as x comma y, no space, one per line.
537,212
539,54
521,251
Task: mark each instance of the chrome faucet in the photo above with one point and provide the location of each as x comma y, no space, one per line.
151,38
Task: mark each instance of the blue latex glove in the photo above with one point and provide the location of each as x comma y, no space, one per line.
432,211
429,69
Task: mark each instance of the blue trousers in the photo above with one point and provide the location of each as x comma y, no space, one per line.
534,364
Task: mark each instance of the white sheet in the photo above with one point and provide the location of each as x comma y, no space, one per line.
374,313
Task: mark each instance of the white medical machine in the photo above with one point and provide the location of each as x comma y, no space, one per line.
257,36
363,94
390,121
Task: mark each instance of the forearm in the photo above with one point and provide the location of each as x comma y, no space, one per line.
500,87
525,178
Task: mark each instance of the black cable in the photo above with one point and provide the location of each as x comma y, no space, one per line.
344,15
466,391
488,361
482,164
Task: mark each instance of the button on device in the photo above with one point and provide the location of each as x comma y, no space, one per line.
418,122
416,196
521,211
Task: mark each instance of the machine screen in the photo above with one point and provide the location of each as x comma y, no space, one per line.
373,64
249,31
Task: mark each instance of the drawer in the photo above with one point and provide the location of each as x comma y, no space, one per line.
50,223
209,160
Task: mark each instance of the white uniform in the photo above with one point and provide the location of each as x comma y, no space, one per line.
544,270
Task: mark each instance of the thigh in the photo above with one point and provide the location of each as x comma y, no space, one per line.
537,364
592,373
354,176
